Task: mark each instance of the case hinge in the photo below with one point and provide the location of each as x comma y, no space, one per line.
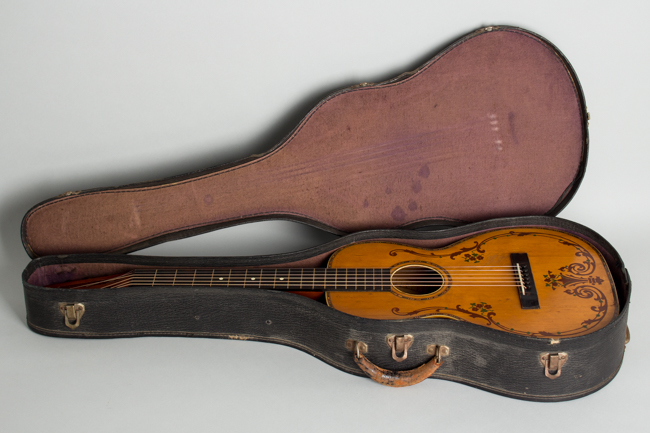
553,363
72,313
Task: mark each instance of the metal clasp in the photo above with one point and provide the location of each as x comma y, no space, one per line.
399,344
553,363
72,313
438,351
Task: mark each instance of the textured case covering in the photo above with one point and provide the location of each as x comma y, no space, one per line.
494,126
486,358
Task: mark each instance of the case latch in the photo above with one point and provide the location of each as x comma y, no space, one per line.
399,344
553,363
72,313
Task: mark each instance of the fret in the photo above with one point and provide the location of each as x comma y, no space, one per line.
313,279
288,277
221,278
330,279
350,279
365,279
164,276
259,286
154,277
176,279
369,278
320,278
301,271
202,277
275,276
211,278
224,279
254,276
376,280
244,279
282,279
358,279
384,274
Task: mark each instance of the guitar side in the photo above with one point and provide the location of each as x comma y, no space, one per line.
575,288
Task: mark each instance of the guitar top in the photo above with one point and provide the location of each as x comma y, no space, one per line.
527,281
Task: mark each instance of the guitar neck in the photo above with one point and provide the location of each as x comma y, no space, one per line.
291,279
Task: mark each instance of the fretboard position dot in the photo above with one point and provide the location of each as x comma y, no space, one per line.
252,278
281,279
221,278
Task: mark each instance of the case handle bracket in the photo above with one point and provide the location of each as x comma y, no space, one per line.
397,378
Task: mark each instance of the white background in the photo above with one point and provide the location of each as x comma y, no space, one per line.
99,94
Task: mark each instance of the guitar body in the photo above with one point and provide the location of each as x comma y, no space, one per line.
575,289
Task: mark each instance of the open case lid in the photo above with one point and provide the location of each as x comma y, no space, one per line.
495,125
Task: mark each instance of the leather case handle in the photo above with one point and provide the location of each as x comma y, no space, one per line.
395,378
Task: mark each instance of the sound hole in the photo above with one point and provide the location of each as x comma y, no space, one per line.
417,280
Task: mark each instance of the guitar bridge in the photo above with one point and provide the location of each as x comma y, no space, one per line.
524,281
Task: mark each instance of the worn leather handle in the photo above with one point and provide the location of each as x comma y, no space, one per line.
395,378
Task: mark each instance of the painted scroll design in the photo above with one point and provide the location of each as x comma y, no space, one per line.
576,278
467,253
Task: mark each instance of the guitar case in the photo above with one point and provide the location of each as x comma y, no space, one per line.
489,134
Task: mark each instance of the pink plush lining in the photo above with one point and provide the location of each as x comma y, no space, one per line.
490,128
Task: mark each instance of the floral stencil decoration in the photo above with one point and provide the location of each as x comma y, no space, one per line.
473,257
481,307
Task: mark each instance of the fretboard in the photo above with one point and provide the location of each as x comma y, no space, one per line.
298,279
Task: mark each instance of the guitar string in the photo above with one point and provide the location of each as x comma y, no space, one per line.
342,278
403,282
354,276
142,277
361,283
360,286
315,277
298,287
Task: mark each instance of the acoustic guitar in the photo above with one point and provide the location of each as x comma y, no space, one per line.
529,281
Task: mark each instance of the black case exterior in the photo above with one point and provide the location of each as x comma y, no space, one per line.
489,359
482,357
